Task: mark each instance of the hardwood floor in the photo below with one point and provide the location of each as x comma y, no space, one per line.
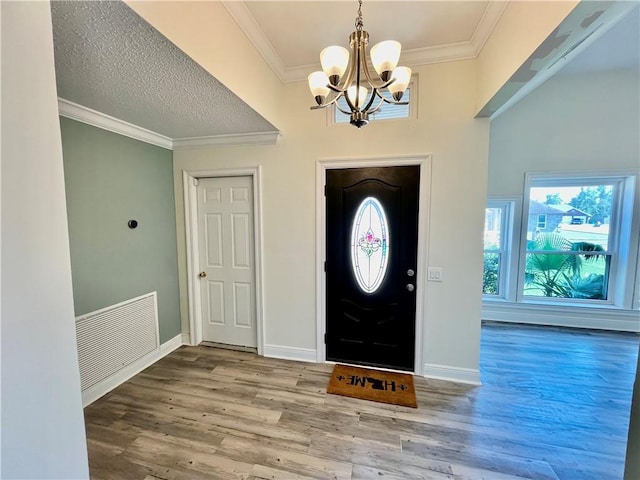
554,405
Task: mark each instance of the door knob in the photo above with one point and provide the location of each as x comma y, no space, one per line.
410,287
202,274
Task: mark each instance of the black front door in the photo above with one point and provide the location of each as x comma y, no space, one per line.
371,254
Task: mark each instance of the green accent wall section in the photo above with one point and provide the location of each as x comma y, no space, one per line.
109,180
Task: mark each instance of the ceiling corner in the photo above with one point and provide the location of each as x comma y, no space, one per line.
487,24
247,23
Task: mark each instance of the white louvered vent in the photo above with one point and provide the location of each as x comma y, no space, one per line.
114,337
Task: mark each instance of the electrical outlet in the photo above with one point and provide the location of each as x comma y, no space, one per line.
434,274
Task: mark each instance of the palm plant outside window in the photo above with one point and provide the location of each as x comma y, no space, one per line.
570,254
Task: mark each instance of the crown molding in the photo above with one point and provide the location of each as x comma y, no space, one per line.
97,119
101,120
414,57
299,73
235,140
439,54
490,18
248,24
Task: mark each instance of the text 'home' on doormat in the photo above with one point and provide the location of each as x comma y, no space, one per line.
374,385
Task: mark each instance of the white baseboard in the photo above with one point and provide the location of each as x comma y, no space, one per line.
290,353
186,339
452,374
103,387
563,316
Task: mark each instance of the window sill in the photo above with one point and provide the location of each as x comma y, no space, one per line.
568,304
494,298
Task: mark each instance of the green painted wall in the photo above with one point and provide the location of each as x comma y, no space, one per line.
110,179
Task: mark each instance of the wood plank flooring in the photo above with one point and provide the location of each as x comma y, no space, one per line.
554,405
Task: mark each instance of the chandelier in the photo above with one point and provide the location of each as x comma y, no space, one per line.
363,95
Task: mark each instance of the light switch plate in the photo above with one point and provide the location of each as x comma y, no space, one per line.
434,274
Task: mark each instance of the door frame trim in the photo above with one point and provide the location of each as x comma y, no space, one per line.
191,229
322,165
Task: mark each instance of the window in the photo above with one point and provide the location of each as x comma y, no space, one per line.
369,245
387,112
496,245
542,221
574,237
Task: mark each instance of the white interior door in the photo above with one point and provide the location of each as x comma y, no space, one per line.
226,250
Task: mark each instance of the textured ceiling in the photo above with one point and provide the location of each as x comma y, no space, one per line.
110,60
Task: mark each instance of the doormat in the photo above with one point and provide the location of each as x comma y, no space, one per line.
374,385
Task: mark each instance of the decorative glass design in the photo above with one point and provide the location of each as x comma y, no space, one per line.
369,245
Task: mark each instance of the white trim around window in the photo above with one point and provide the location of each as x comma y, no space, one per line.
510,207
621,310
507,208
623,243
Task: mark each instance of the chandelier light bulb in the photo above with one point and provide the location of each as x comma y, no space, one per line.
318,85
402,77
351,93
334,61
385,56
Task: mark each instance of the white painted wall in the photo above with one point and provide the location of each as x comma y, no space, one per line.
42,423
570,123
444,128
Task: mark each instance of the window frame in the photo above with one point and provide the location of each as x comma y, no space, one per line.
413,107
621,243
509,206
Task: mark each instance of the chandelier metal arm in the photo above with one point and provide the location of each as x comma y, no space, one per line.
390,102
350,103
370,102
377,107
346,112
360,54
393,102
326,104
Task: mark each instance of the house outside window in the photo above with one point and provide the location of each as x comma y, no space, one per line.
542,221
576,231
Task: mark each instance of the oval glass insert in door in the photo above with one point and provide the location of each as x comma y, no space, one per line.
369,245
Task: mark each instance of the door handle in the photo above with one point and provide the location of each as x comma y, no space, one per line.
410,287
202,274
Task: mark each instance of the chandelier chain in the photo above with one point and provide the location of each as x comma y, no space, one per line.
359,21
